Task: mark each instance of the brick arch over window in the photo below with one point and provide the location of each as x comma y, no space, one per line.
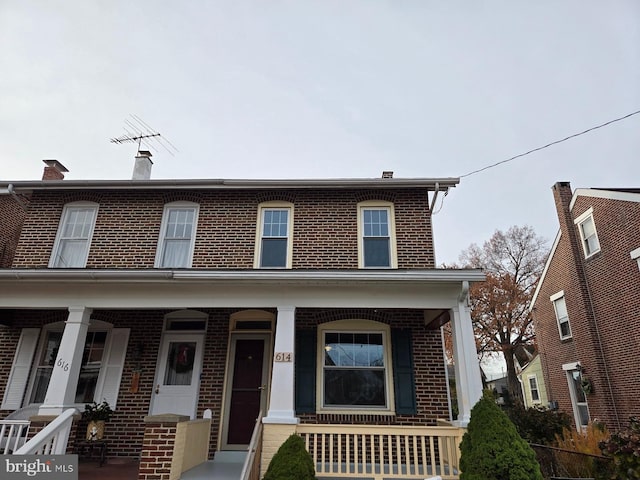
331,315
286,196
365,195
180,196
82,196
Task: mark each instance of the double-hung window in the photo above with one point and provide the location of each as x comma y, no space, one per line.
562,316
355,366
376,235
177,235
533,388
71,247
273,243
588,234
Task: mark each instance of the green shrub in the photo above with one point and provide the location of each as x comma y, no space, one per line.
538,424
491,448
624,447
291,462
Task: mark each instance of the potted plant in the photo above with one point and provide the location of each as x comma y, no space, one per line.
96,414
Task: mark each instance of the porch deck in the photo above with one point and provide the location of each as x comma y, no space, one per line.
113,469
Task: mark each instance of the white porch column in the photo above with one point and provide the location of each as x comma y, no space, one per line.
467,366
61,392
281,402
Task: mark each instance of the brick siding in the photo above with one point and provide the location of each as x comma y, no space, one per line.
602,294
325,227
12,216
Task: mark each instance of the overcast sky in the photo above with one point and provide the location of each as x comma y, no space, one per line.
333,88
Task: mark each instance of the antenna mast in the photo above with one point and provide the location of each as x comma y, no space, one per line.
138,131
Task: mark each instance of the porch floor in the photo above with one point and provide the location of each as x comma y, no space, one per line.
113,469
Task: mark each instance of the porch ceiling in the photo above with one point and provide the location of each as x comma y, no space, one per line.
436,288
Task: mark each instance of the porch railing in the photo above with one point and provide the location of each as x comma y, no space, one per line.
251,468
13,434
52,439
375,451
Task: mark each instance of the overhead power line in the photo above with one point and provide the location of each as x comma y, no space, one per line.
550,144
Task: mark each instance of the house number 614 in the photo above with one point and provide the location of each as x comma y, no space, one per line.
63,365
283,356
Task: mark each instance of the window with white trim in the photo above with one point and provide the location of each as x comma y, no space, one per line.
588,234
578,397
533,388
376,235
274,233
71,247
562,316
177,235
354,367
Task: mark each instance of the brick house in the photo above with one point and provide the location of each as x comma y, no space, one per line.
587,306
316,302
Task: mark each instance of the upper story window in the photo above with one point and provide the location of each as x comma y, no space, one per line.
376,235
177,235
355,366
560,307
274,233
588,233
71,247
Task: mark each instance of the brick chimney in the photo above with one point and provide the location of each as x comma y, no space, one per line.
142,166
54,170
387,174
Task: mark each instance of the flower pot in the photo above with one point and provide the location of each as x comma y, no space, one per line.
95,430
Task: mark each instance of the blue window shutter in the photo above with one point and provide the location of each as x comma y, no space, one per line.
305,367
403,381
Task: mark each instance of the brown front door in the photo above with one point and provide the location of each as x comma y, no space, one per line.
248,388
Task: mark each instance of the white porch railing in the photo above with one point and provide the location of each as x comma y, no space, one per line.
52,439
382,452
13,434
251,467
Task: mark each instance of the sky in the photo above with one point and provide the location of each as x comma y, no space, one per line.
333,89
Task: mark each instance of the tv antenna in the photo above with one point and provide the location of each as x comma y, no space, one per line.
138,131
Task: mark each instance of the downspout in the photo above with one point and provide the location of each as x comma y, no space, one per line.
15,196
435,197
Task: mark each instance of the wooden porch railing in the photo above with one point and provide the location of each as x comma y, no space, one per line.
52,439
251,468
377,451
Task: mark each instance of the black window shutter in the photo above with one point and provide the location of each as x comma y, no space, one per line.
405,389
305,371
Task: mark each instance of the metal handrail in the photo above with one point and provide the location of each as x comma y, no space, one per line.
249,467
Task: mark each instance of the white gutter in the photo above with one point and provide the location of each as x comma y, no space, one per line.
427,276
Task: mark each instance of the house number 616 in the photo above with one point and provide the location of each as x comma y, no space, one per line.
63,365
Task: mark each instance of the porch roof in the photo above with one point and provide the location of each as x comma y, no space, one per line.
108,288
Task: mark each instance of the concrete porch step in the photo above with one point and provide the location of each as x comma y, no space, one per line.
224,466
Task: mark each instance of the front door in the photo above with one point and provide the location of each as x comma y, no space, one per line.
178,375
246,386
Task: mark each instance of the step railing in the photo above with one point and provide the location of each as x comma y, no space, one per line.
251,468
378,451
13,434
52,439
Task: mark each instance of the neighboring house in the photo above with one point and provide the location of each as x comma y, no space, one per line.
534,391
316,302
587,306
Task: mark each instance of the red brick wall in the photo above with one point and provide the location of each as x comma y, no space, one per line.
609,292
325,226
11,217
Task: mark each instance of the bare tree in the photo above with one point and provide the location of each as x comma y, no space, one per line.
513,261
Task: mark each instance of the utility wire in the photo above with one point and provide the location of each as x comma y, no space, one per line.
550,144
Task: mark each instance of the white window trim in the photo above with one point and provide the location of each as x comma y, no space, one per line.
364,326
554,298
163,228
57,244
274,205
567,368
535,377
635,255
377,205
579,221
